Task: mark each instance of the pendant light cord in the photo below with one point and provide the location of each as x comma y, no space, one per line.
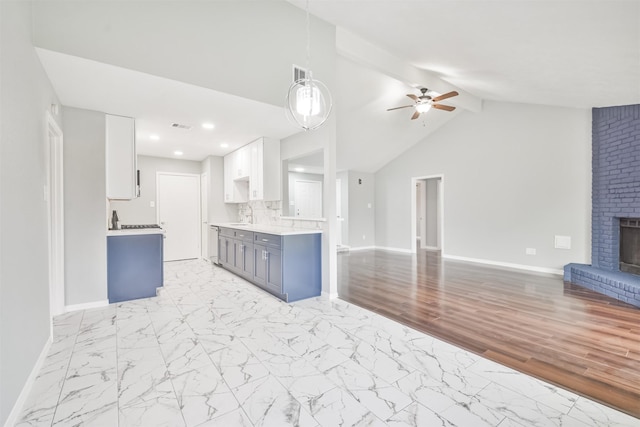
308,70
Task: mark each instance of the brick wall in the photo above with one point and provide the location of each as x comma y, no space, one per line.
616,179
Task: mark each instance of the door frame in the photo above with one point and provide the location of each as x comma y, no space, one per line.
54,196
195,175
414,182
204,216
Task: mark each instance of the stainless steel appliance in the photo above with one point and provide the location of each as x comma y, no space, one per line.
214,230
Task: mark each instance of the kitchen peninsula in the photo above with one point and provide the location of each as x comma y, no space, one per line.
134,263
284,261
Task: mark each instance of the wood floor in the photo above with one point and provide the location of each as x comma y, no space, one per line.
567,335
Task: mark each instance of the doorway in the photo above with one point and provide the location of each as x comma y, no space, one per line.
178,204
427,213
55,218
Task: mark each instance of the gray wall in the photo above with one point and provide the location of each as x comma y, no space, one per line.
515,175
85,202
24,289
344,199
362,230
218,211
139,210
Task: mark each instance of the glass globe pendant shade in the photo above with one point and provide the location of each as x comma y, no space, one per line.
423,108
308,103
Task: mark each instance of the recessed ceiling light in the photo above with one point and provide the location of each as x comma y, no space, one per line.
178,153
154,137
208,125
224,145
299,169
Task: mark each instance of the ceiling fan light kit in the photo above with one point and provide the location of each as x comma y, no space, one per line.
424,102
308,101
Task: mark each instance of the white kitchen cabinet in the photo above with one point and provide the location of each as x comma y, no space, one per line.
265,177
253,172
120,157
236,177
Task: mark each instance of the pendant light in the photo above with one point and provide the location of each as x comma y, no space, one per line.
308,100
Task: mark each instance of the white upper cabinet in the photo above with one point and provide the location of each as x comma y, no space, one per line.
253,172
120,158
265,178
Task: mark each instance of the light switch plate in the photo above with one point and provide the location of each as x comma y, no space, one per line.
152,204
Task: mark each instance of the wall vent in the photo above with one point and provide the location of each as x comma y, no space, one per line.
180,126
299,73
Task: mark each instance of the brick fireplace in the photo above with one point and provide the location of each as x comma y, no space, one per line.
615,204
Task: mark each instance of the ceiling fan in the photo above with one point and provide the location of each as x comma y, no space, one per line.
424,102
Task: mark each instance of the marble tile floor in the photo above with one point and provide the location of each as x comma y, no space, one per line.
214,350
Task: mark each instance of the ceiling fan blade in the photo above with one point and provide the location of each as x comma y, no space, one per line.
412,96
415,115
404,106
443,107
445,96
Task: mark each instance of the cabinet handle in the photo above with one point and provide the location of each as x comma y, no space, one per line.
264,255
265,240
241,248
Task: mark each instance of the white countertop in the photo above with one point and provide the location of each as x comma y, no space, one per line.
269,229
134,232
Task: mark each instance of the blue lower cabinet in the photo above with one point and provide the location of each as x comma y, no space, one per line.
289,266
134,266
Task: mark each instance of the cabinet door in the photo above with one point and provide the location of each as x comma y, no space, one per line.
228,178
259,265
120,157
256,178
243,162
274,270
246,263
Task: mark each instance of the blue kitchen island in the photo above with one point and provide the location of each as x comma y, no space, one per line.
134,264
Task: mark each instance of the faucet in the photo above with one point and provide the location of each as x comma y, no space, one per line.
251,214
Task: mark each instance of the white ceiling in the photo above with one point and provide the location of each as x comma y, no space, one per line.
572,53
156,102
564,53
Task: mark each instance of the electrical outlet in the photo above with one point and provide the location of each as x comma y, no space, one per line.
152,204
369,205
530,251
364,237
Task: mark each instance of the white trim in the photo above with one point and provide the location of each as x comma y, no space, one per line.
18,407
431,248
382,248
329,295
362,248
54,194
86,305
506,264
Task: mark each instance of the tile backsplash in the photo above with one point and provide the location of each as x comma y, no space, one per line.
265,212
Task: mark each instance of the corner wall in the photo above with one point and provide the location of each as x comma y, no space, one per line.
515,175
85,204
25,97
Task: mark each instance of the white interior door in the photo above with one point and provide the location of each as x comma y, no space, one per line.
204,217
179,214
308,196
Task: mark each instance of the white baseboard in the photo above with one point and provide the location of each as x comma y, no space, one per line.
329,295
383,248
505,264
16,411
362,248
86,306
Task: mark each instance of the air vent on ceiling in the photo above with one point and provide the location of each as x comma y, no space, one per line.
180,126
299,73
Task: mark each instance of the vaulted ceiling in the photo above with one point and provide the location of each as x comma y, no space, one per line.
579,54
